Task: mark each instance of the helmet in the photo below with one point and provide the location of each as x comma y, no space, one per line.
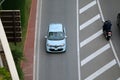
108,22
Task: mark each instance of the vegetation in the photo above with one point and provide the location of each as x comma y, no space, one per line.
17,50
4,74
18,56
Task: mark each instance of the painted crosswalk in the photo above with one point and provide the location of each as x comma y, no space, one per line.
84,26
86,41
87,7
92,20
101,70
95,54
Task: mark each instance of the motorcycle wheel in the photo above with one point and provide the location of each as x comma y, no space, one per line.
108,38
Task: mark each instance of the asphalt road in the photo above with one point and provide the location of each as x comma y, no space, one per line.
110,12
57,66
89,56
98,57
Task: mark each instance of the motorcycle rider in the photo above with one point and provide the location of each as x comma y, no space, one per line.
107,29
107,26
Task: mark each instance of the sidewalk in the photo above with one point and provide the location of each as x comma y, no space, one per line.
27,64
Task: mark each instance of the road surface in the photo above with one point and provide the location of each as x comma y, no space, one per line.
57,66
89,56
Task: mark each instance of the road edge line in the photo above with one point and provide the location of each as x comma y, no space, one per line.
35,66
115,54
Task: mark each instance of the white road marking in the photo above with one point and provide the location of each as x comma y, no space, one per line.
115,54
101,13
83,43
95,18
118,78
36,63
101,70
95,54
87,7
114,51
78,45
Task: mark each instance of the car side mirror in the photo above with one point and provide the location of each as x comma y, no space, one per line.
65,36
45,36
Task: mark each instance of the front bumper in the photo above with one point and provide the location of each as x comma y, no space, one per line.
56,49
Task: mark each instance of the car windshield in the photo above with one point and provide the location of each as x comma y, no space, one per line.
56,36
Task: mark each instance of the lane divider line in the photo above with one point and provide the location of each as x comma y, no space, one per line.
83,43
113,49
102,70
78,45
87,23
95,54
87,7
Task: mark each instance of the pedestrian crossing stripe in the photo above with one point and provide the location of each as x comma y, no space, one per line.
95,54
92,20
87,7
101,70
83,43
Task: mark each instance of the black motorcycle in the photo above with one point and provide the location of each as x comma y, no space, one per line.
107,35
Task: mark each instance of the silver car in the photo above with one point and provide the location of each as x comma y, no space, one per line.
56,38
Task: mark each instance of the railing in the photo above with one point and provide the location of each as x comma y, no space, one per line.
8,54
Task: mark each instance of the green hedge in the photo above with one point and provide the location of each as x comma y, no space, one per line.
4,74
18,56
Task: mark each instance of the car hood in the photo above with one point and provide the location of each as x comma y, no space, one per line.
56,43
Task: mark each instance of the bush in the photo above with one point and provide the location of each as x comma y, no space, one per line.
18,56
4,74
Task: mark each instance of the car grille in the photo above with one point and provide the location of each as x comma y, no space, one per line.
56,50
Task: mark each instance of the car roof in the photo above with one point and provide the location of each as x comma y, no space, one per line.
55,27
